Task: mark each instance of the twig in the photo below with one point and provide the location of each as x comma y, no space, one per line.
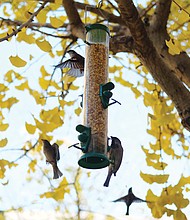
15,32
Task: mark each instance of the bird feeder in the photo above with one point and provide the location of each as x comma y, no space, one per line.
93,137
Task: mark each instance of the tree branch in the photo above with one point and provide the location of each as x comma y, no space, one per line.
76,25
100,12
161,14
30,25
148,55
15,32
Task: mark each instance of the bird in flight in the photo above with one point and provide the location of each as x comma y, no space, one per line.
129,199
75,63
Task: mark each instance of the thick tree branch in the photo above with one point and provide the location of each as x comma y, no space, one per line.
161,14
76,25
148,55
15,32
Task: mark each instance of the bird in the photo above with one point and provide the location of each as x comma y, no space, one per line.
129,199
75,63
115,156
52,156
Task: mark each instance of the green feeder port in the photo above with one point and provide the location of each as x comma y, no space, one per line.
84,137
105,93
93,160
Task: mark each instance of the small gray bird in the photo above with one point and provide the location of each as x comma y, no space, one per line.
115,156
129,199
75,63
52,156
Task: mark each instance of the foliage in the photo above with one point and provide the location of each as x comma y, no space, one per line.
47,34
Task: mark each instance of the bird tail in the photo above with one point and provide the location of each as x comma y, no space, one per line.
56,172
106,184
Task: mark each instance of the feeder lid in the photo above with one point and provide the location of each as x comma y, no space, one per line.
97,26
94,160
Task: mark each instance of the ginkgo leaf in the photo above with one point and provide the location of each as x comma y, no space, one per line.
32,166
44,45
17,61
9,102
174,47
3,127
30,128
3,142
154,178
78,111
55,22
23,86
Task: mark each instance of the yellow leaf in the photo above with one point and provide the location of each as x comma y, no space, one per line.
154,178
59,192
78,111
31,57
165,119
123,82
42,16
38,97
44,45
55,22
30,128
179,215
32,166
149,86
3,164
23,36
9,102
17,61
73,87
3,142
136,92
44,83
174,47
23,86
44,72
3,127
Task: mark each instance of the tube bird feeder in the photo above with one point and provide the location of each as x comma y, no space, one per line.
93,137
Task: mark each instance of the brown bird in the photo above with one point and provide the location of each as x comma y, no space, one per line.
129,199
52,156
75,63
115,156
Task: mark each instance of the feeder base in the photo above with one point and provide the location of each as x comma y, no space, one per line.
93,160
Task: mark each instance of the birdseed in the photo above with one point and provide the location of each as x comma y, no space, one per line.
95,116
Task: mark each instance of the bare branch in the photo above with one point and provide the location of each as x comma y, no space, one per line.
30,25
15,32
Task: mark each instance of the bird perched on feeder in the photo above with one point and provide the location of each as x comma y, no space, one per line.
129,199
52,156
115,156
75,63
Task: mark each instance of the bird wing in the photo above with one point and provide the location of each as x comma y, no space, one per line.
138,200
75,72
122,199
56,149
71,63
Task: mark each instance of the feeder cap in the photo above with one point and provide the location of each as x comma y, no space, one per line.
97,26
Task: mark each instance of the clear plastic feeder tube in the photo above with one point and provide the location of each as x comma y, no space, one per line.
96,73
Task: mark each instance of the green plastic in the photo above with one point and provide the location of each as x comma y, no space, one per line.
97,26
84,137
93,160
105,93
